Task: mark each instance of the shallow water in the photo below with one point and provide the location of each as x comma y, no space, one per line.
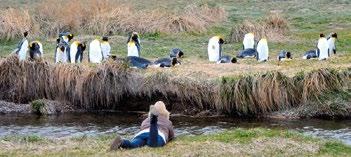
71,125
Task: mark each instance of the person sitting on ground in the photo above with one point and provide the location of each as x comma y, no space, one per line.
156,130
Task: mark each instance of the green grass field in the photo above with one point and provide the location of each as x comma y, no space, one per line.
237,142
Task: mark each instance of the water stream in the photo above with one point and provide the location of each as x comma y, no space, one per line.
71,125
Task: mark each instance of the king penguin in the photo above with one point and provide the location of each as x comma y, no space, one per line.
323,47
105,48
227,59
166,62
60,53
76,52
22,47
215,48
95,52
35,50
331,43
65,39
249,41
284,56
133,44
262,50
138,62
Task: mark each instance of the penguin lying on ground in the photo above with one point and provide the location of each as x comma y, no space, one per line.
215,48
284,55
35,50
22,47
323,48
176,52
227,59
133,44
249,41
76,52
331,43
143,63
262,50
310,54
247,53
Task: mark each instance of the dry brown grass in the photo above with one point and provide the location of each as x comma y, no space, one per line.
274,27
104,17
114,86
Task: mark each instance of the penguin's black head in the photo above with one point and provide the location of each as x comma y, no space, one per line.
62,48
234,60
83,46
321,35
135,36
34,46
25,34
288,55
105,38
58,40
70,37
334,35
221,41
180,54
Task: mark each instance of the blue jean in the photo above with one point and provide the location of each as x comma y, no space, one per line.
151,138
142,140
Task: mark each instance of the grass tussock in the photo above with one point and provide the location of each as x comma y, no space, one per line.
274,27
105,17
113,85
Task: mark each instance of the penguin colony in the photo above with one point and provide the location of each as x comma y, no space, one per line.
100,50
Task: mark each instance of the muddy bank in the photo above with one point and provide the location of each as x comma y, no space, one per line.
114,86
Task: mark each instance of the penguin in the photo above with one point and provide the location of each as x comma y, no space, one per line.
247,53
138,62
65,39
76,52
284,55
262,50
35,50
331,43
166,62
60,53
215,48
176,52
105,48
249,41
310,54
133,45
95,53
227,59
22,47
322,47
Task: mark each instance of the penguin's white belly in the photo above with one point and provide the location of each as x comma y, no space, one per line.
133,50
213,50
331,45
60,56
323,49
95,53
106,50
262,50
248,43
22,54
73,52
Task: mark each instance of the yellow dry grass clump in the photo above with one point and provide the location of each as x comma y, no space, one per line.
105,17
274,27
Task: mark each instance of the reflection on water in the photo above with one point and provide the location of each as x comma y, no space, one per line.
70,125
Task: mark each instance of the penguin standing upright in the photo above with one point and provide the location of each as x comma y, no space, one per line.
95,52
331,43
76,52
262,50
215,48
35,50
105,48
64,40
22,47
249,41
60,53
134,45
322,47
